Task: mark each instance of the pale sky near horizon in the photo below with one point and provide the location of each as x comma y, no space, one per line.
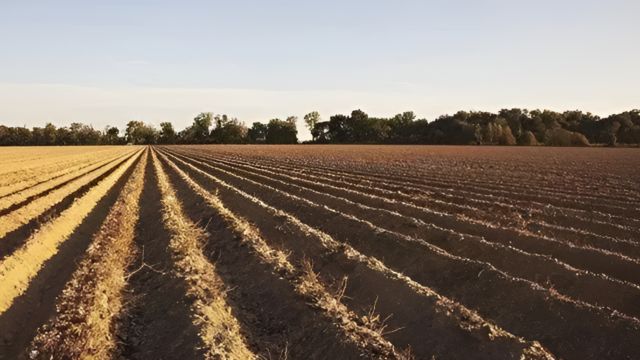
108,62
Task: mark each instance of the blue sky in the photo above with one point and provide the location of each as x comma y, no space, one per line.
107,62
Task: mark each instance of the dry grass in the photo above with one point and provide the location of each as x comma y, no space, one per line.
84,325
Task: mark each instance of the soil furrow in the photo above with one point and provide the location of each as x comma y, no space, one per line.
22,216
445,200
10,242
455,181
22,198
562,325
218,331
31,174
84,325
49,175
156,321
488,180
304,281
545,271
36,303
600,261
442,327
17,270
283,317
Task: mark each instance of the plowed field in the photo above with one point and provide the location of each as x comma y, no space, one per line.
319,252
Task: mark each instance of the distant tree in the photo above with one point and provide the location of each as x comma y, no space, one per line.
87,135
257,134
49,134
200,128
132,131
282,131
612,133
507,127
490,133
110,136
453,130
527,139
339,129
562,137
138,132
320,132
506,136
21,136
37,136
629,131
515,118
535,125
63,136
149,135
578,139
311,119
228,131
186,136
74,132
400,127
5,136
584,123
359,127
167,133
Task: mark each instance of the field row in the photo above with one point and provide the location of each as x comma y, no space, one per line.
406,243
219,252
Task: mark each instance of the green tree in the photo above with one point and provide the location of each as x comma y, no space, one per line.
167,133
21,136
138,132
527,139
63,136
132,131
612,133
111,135
49,134
5,136
257,134
282,131
228,131
37,136
74,133
311,119
87,135
400,127
200,128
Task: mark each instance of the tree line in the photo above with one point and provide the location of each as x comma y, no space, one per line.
205,129
507,127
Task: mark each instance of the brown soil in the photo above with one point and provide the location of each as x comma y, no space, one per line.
18,325
350,252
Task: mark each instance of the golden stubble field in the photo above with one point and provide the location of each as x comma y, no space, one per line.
319,252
